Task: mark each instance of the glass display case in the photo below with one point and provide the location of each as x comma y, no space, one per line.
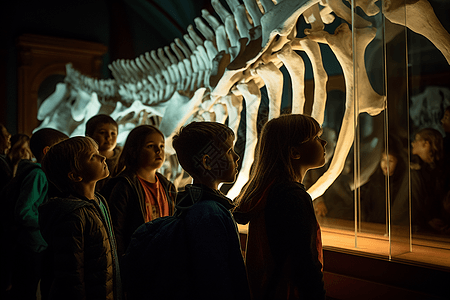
391,199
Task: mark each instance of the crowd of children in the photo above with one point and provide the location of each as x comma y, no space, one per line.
76,206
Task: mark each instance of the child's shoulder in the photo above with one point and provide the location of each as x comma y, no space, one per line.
164,181
69,201
288,187
117,151
204,200
61,207
288,191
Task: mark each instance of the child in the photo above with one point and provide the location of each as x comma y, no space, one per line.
284,248
5,142
205,150
427,183
139,194
104,130
20,149
77,226
373,193
5,167
25,192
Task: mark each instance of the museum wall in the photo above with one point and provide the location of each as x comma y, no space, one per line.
126,28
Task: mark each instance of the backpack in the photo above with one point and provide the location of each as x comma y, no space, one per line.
158,250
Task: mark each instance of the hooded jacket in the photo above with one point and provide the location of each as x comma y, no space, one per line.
126,199
284,248
81,259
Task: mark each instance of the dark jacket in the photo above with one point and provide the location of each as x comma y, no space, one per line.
218,269
126,199
427,194
283,257
5,170
33,192
80,251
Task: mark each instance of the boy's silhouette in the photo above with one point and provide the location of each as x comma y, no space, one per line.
202,252
82,261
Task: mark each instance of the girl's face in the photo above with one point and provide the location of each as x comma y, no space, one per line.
420,147
384,164
312,153
152,154
24,151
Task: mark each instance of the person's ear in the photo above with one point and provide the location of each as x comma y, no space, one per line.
294,153
74,177
206,161
45,150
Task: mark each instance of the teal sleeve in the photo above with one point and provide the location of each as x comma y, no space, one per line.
33,192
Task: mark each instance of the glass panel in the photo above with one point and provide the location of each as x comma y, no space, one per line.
396,141
429,71
380,69
388,200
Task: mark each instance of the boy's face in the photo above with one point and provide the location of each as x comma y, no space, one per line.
106,137
225,166
152,155
93,166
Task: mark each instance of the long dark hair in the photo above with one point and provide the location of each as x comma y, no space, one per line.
129,158
272,158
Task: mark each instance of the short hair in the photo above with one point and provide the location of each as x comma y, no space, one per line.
63,158
45,137
129,157
196,139
95,121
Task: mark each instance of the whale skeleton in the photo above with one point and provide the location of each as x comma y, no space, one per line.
223,63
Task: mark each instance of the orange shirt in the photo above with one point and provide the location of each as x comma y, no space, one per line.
156,204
